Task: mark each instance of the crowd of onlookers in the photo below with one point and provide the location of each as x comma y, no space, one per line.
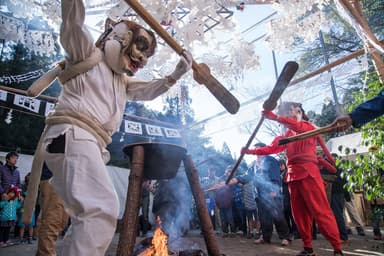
253,203
257,199
13,192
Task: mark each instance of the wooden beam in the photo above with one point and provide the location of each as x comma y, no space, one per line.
24,92
329,66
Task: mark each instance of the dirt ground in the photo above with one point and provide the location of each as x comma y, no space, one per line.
239,246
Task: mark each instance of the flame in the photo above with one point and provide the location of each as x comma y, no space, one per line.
159,243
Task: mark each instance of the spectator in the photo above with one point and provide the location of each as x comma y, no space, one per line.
9,205
249,194
350,211
293,233
377,210
207,182
269,198
377,216
9,173
20,224
332,175
238,209
224,201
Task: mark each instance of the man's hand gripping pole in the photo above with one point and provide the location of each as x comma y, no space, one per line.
282,82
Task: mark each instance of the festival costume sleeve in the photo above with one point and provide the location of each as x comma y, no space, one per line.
139,90
273,148
368,110
292,124
327,165
74,37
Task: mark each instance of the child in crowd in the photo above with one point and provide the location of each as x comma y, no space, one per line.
23,226
9,205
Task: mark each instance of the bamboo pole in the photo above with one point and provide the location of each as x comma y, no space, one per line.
329,66
24,92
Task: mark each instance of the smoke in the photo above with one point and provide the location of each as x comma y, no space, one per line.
267,180
172,202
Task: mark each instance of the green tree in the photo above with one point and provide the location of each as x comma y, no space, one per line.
341,37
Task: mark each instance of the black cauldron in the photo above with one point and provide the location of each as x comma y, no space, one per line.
161,161
163,144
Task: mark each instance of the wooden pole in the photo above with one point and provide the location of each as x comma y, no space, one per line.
327,67
24,92
129,222
202,211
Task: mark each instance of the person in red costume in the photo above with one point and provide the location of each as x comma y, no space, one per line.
306,187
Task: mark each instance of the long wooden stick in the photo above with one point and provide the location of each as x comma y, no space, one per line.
305,135
329,66
201,71
24,92
253,135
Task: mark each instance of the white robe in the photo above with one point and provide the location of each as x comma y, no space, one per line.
80,175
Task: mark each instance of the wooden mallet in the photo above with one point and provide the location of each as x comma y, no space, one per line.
282,82
201,72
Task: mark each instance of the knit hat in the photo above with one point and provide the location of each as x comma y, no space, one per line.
15,190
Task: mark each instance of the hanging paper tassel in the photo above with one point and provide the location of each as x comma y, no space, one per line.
8,119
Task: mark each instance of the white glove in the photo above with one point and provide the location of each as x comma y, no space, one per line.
183,66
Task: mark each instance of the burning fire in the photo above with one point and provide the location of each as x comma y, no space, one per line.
159,243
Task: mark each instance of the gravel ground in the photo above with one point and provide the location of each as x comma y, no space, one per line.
239,246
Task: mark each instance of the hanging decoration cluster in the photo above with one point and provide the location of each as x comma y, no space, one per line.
17,20
190,22
297,19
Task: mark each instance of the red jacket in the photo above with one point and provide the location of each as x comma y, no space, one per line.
301,154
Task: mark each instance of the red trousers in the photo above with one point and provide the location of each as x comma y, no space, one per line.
309,202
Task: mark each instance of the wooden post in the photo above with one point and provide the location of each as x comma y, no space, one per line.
128,228
198,195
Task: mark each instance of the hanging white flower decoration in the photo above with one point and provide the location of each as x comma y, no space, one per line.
297,19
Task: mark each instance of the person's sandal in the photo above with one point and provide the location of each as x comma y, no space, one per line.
307,253
284,242
261,241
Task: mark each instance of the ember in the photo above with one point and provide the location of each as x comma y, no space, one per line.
159,243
